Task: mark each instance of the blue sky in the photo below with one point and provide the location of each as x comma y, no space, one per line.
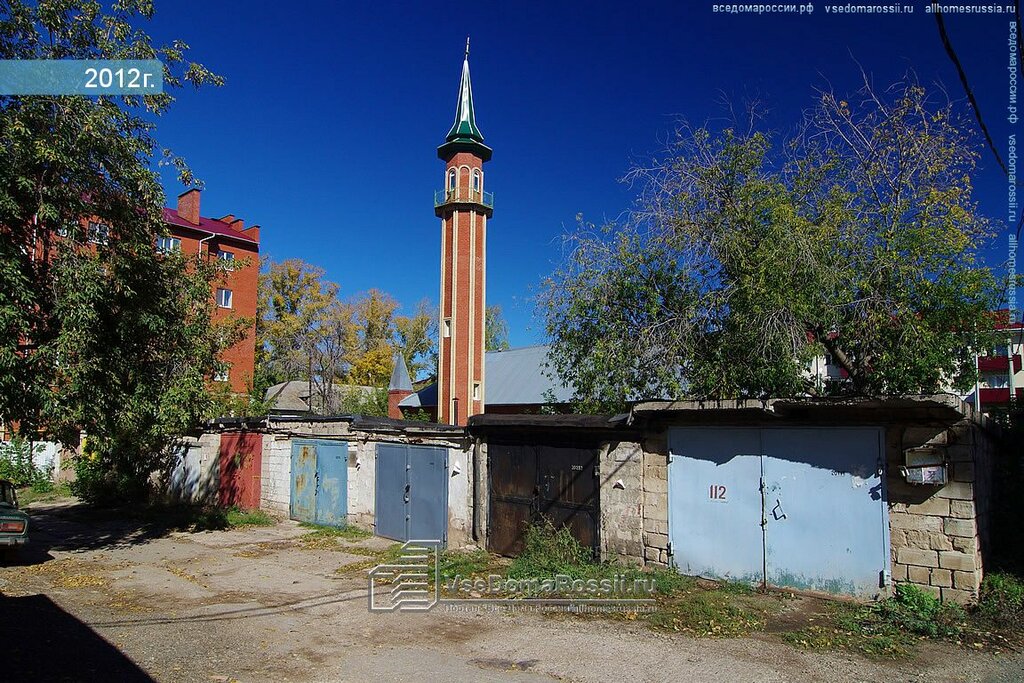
326,131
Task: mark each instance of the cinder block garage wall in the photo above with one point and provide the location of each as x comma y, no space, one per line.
938,532
624,533
276,471
362,449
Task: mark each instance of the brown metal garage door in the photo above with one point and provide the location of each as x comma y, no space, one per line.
557,481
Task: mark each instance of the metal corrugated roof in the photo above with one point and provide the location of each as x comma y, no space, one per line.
519,376
512,377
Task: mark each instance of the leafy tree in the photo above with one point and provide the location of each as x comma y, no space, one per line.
416,339
749,255
294,303
305,332
99,332
495,330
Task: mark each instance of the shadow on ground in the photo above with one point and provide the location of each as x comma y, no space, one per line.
77,527
45,643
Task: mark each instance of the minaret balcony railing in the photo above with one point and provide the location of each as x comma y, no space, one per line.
463,195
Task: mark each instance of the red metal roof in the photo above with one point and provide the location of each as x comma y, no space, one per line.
210,225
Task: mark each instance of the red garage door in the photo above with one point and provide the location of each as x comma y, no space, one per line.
240,463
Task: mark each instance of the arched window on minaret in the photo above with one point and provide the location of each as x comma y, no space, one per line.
476,181
453,177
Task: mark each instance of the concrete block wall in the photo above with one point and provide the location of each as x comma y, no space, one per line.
621,495
937,533
362,453
362,482
276,470
655,503
634,501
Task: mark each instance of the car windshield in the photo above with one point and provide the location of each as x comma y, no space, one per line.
6,493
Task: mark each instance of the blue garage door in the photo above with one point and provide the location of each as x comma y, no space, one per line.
319,481
411,492
799,508
715,503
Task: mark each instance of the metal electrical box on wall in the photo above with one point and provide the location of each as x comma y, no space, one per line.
925,465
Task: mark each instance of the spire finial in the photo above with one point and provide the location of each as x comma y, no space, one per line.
467,47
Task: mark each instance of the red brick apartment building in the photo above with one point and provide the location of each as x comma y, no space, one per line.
225,238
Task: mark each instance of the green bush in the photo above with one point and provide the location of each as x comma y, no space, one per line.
548,551
1002,599
17,466
913,610
101,484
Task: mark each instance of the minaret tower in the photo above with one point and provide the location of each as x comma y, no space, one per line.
463,207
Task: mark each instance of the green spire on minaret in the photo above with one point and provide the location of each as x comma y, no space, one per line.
464,134
465,127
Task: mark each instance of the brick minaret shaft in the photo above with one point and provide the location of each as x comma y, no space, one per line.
463,207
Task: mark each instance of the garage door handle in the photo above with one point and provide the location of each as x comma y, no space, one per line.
407,493
777,511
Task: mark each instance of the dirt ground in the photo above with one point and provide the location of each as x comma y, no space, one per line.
106,598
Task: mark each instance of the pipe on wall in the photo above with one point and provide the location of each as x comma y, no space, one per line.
476,490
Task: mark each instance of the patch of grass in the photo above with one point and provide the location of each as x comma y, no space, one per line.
889,628
713,612
346,532
30,494
196,518
237,517
374,557
682,603
465,563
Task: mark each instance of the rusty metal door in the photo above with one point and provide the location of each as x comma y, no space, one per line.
240,461
319,481
555,481
302,502
331,483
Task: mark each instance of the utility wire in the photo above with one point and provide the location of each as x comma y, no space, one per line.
967,89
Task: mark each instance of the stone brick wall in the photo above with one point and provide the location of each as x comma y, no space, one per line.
276,466
937,533
622,523
655,486
634,501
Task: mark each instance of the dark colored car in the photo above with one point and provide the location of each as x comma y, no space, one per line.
13,522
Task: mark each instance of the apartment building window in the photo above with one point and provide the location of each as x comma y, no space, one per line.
167,245
227,257
99,233
223,375
224,298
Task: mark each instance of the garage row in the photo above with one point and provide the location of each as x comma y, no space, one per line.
843,497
